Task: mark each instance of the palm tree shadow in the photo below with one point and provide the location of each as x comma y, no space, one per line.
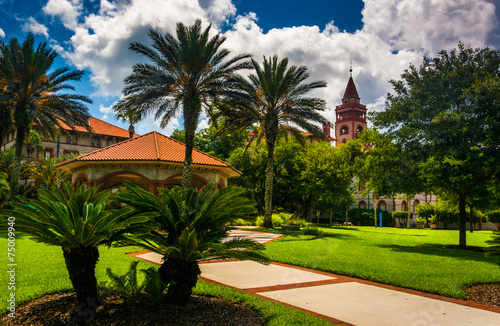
441,250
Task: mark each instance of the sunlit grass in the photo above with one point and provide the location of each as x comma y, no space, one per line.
410,258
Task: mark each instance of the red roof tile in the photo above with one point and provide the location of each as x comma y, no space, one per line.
102,128
152,146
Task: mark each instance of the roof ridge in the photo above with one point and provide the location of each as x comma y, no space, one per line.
197,150
157,149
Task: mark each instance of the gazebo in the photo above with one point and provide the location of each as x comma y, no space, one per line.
151,161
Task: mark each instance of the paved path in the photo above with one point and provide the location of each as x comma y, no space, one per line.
339,299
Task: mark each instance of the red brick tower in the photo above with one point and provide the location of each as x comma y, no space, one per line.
350,115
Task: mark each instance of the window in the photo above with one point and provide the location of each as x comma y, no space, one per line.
381,205
344,131
359,129
403,206
362,204
344,141
415,204
68,139
98,142
47,155
92,141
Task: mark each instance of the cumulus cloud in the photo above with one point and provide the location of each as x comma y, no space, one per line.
35,27
430,25
202,125
68,11
105,110
2,33
395,34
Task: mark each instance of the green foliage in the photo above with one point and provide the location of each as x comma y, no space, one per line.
402,216
126,284
363,216
276,219
153,284
4,189
312,230
421,220
427,210
44,171
493,216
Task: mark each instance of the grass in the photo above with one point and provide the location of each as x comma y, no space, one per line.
41,270
407,258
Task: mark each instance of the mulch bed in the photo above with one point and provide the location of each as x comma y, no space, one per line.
488,294
61,309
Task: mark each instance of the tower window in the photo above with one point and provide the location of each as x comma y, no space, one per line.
344,131
360,129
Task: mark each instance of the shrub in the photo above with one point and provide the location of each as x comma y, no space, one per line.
493,216
312,230
126,284
276,218
427,210
362,216
402,216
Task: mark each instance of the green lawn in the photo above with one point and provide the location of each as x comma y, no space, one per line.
41,270
408,258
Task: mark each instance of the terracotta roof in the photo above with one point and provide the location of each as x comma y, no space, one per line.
351,90
102,128
152,146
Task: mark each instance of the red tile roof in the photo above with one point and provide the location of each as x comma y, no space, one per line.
152,146
102,128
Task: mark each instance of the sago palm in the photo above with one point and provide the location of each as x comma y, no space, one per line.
31,94
77,220
186,74
192,227
277,94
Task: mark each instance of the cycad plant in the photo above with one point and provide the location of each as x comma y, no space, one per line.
76,219
192,227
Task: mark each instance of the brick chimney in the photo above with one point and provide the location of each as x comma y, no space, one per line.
326,130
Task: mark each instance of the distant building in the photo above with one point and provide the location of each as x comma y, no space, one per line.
78,141
350,121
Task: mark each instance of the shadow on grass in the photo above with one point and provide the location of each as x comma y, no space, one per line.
5,235
440,250
299,236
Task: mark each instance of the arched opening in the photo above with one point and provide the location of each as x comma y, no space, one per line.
362,204
81,178
416,202
344,130
221,184
403,206
176,180
115,179
382,205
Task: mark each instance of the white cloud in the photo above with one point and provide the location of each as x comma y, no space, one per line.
105,111
2,33
202,125
68,11
395,34
35,27
431,25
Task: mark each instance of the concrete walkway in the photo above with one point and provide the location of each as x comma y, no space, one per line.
339,299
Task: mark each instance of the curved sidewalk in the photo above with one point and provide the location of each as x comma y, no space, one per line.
339,299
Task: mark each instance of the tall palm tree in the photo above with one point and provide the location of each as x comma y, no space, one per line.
31,93
187,73
278,98
192,228
76,220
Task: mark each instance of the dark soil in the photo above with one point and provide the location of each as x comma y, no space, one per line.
488,294
61,309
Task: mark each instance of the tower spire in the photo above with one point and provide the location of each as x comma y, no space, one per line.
350,69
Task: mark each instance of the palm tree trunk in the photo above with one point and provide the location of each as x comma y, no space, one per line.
81,262
268,197
181,277
462,242
14,180
192,108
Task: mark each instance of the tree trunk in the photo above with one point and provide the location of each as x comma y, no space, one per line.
14,179
81,262
192,108
375,207
330,217
462,242
311,205
181,277
409,212
471,223
268,198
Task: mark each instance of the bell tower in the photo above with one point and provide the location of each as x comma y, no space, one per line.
350,115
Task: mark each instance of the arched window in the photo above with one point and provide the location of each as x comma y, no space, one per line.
381,205
403,206
344,141
344,131
362,204
416,202
359,129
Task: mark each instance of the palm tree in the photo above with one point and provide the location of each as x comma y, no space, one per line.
76,220
32,94
278,98
192,228
45,172
186,74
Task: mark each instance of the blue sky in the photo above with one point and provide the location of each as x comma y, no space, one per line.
381,37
